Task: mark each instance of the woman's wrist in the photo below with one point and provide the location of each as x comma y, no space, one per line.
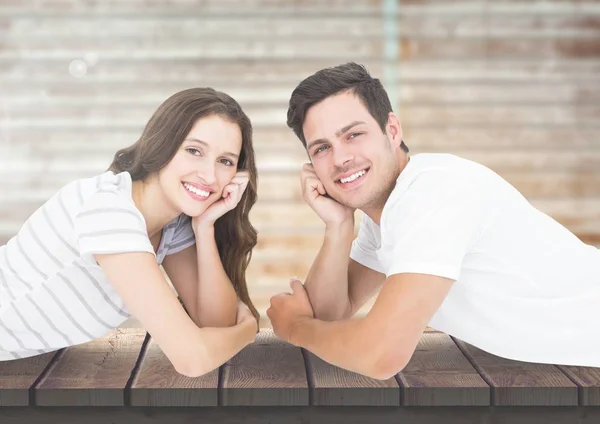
204,229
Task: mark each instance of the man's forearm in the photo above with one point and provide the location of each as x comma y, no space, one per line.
216,303
327,280
347,343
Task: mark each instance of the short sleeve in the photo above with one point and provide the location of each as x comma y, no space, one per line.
183,236
364,247
109,222
432,225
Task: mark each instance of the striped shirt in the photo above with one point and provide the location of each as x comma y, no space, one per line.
53,294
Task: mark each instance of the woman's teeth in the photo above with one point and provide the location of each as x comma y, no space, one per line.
196,190
353,177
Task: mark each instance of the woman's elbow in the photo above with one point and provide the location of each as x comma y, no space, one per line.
192,369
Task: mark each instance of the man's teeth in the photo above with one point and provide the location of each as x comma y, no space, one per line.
353,176
196,190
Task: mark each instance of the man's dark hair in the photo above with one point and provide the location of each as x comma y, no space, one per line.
331,81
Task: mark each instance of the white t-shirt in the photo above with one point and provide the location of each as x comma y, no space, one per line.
525,287
53,294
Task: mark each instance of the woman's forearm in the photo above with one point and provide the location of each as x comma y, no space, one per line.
216,301
218,345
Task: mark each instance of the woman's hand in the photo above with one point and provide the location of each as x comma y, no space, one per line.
231,196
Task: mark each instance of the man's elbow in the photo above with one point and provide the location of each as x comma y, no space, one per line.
387,365
333,313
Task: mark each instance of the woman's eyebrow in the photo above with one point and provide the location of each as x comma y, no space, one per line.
205,144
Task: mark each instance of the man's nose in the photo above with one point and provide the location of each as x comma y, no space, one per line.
342,156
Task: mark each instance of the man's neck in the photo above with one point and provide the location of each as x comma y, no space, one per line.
375,211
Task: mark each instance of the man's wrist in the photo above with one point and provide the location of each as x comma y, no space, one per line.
339,226
298,331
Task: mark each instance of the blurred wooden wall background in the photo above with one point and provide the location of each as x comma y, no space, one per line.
512,84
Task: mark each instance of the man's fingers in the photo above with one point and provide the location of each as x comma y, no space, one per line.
296,286
312,185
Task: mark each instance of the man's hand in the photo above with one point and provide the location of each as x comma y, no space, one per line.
313,191
287,309
231,196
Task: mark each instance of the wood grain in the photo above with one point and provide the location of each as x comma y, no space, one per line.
93,373
518,383
19,375
335,386
588,379
157,383
127,94
265,373
438,374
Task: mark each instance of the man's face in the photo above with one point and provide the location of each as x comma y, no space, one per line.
353,158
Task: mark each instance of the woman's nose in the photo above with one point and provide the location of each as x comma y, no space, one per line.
207,175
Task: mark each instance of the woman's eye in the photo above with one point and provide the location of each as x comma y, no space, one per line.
194,152
227,162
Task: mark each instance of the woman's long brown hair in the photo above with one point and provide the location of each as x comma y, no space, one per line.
165,131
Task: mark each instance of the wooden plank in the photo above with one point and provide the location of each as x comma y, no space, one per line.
334,386
588,379
146,48
19,375
514,138
267,372
518,383
409,48
438,374
156,383
201,27
305,415
346,7
93,373
495,115
91,93
164,8
225,73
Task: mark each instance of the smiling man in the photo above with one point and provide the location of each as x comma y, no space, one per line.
445,241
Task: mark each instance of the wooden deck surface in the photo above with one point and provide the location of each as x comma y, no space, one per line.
125,377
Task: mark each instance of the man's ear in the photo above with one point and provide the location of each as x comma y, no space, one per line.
394,129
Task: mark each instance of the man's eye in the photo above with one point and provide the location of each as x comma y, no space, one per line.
320,149
355,134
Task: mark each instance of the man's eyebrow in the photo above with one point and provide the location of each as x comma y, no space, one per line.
205,144
338,133
347,127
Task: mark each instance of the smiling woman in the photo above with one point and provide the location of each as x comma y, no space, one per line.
89,258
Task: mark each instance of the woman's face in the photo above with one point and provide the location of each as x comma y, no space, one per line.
204,164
